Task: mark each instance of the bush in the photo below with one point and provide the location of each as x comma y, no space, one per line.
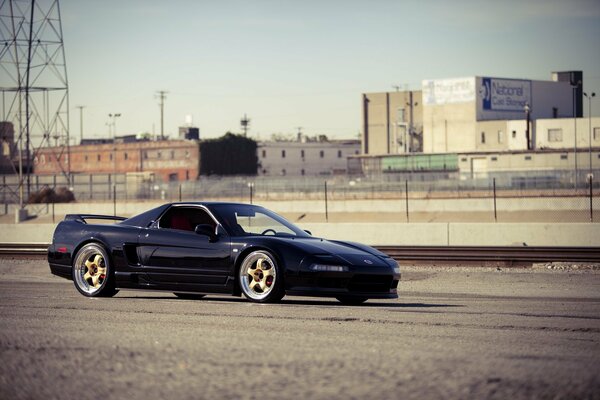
48,195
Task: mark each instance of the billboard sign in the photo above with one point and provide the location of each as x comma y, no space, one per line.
504,94
448,91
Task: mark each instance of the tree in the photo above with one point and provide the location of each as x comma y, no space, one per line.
228,155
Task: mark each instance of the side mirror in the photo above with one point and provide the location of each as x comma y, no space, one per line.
206,230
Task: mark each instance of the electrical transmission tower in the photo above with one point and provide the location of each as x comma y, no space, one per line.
35,93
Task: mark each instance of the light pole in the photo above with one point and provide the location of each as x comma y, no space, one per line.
575,87
589,97
114,126
80,123
527,114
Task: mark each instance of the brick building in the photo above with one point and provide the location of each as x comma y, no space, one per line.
169,160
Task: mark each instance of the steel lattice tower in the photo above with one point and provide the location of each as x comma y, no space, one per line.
33,81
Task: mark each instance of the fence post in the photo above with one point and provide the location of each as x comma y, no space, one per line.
52,212
406,199
115,199
109,185
326,210
91,187
495,213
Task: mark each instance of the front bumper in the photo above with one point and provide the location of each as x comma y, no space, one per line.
373,284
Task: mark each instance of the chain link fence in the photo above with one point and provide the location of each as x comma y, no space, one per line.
508,197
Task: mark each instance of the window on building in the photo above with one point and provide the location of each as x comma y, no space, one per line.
85,158
125,156
158,154
99,157
500,137
527,158
401,115
464,159
322,154
514,134
145,155
564,157
482,137
555,135
356,152
187,175
596,134
302,153
283,172
172,154
339,154
264,154
302,172
494,158
110,156
283,154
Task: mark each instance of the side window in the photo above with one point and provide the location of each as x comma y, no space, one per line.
185,218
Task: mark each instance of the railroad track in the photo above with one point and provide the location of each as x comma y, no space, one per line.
509,254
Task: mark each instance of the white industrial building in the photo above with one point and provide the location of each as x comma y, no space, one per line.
483,114
305,157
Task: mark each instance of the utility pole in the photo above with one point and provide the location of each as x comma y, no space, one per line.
245,123
162,96
80,123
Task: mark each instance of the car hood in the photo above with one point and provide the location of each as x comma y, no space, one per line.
351,253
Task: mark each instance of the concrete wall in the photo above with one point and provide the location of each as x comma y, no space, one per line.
390,234
464,205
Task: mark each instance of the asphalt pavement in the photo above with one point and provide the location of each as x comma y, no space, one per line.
455,333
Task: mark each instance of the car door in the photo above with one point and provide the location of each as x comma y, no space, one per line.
184,257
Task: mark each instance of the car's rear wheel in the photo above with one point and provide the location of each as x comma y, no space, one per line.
189,296
351,301
92,272
260,278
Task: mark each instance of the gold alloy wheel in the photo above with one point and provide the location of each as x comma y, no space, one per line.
258,275
96,271
91,269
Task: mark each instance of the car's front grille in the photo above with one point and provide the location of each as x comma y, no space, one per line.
370,283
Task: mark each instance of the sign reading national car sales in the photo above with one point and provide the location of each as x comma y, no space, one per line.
505,94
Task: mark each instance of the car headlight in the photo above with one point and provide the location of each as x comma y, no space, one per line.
397,269
328,268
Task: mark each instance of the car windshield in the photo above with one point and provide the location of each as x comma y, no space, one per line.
245,219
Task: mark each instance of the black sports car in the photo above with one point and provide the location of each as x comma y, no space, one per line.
193,249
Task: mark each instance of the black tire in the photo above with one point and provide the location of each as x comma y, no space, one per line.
261,278
189,296
351,301
92,272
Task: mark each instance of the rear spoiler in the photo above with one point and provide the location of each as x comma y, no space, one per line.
83,217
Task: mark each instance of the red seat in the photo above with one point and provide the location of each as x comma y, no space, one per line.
179,221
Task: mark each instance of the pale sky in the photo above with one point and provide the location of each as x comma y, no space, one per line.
289,64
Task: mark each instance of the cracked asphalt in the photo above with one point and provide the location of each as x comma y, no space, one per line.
455,333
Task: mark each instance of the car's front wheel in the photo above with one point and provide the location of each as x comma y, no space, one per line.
260,278
92,272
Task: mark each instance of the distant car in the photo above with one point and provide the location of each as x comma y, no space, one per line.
193,249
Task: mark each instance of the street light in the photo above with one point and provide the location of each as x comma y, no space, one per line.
589,97
114,126
527,114
575,88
